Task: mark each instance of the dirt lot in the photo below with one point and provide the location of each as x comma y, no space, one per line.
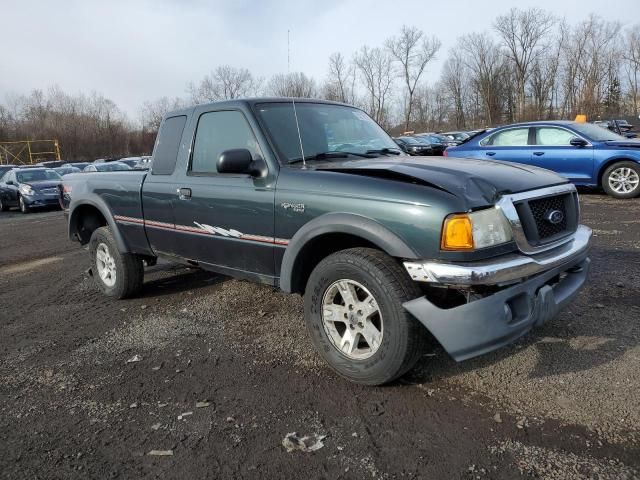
561,403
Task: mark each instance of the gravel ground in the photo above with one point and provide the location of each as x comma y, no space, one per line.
217,372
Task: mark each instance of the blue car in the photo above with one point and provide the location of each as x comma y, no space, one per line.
29,188
584,153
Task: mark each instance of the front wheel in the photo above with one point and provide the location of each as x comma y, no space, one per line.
354,314
3,206
622,180
24,208
116,274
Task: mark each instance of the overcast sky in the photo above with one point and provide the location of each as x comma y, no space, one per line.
137,50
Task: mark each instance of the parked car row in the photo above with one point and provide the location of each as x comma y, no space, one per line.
28,187
425,143
65,168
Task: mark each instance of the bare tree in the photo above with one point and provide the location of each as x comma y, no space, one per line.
295,84
485,63
543,80
152,112
375,66
340,79
413,50
589,54
523,34
631,56
224,83
454,81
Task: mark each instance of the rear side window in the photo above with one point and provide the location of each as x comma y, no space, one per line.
165,154
514,137
549,136
217,132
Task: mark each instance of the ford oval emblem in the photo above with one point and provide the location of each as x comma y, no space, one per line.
554,217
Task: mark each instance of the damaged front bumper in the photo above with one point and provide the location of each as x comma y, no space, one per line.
543,286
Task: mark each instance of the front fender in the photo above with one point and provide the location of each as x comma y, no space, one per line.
346,223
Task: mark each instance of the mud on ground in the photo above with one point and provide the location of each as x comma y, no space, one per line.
224,370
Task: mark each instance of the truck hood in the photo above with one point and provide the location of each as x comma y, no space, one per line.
476,181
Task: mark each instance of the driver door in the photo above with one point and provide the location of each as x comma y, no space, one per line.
552,150
222,219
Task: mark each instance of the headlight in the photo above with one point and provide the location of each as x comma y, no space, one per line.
26,190
470,231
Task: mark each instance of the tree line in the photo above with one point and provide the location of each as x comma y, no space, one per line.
529,65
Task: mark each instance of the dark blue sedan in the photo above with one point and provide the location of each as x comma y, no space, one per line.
29,188
584,153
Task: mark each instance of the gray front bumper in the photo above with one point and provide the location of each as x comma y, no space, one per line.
494,321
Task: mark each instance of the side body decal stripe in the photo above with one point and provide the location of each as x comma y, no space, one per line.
198,230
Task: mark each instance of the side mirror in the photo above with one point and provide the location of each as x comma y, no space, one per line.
578,142
10,182
240,161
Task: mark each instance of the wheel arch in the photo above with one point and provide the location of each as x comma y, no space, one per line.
328,234
86,216
606,164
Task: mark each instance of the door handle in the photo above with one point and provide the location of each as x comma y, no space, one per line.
184,193
538,154
491,154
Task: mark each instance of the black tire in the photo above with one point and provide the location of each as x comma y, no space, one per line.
24,208
403,338
3,206
634,170
129,271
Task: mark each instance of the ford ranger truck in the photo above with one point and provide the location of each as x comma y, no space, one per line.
389,251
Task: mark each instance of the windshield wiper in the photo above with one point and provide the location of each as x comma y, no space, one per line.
385,150
328,155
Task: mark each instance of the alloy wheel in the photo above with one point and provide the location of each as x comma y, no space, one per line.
105,265
623,180
352,319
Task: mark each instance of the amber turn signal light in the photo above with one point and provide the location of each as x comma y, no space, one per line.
457,233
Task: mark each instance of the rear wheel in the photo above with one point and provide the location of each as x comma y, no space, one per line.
622,180
24,208
116,274
354,314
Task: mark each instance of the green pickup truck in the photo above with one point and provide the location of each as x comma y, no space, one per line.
389,251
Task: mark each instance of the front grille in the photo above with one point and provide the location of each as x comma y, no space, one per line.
541,208
49,190
535,214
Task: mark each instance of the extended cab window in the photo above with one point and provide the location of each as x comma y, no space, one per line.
514,137
165,154
553,136
217,132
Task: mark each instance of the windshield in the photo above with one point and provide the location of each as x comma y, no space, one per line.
410,141
323,128
36,176
596,132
